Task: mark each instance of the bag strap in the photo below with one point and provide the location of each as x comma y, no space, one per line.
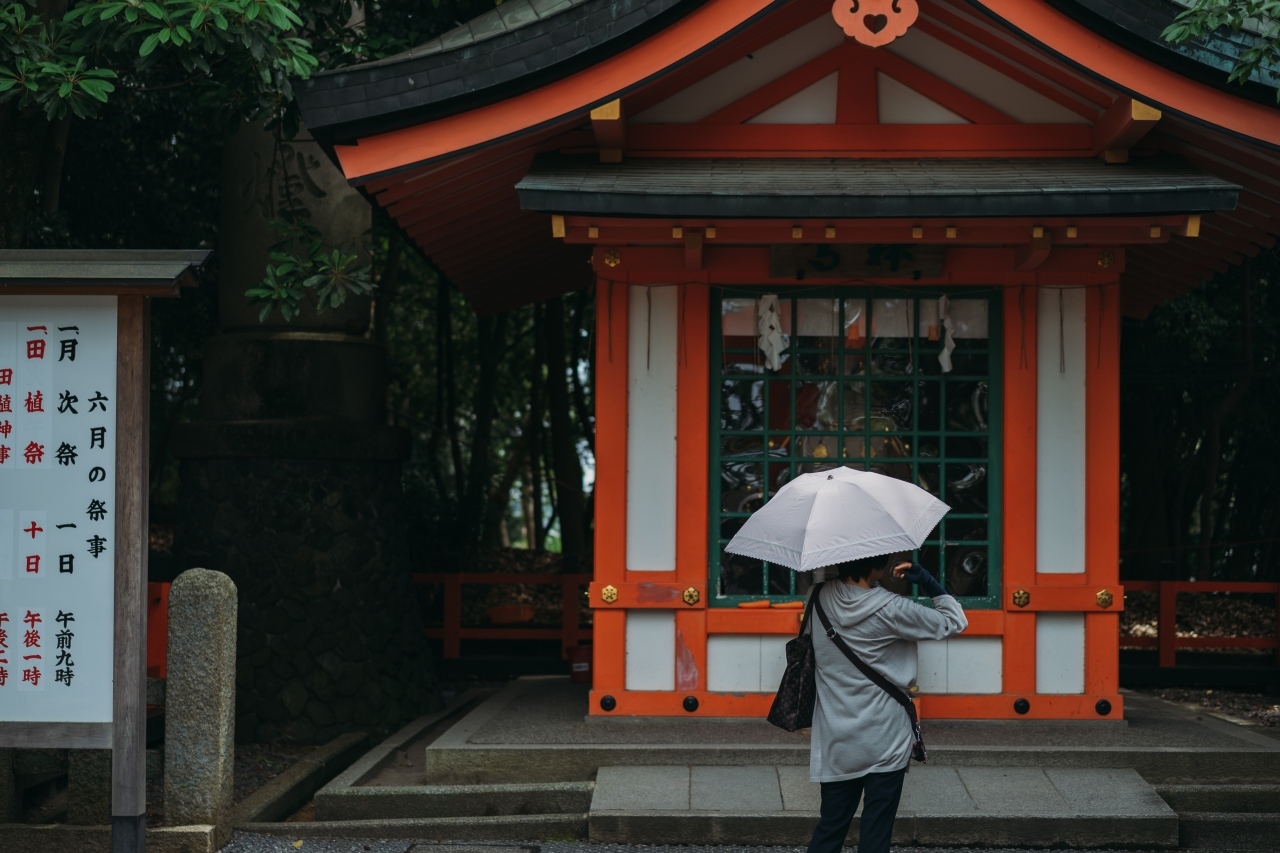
876,678
808,608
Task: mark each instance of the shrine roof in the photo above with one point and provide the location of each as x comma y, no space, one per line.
87,271
762,188
1138,25
518,46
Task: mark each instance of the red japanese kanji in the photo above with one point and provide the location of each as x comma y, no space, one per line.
32,619
6,375
35,348
5,429
35,401
33,564
34,453
4,454
4,639
31,675
4,676
6,403
31,639
33,529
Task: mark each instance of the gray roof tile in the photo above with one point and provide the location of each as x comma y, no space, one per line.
863,188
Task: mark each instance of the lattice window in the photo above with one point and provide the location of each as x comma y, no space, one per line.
860,384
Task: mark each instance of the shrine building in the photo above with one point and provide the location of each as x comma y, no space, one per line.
954,204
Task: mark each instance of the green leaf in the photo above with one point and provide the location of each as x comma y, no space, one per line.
149,44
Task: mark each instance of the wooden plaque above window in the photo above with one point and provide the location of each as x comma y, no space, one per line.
856,260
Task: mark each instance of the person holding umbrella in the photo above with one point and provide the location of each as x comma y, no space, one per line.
851,524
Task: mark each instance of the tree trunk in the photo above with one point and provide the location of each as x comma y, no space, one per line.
1213,449
492,345
564,452
537,540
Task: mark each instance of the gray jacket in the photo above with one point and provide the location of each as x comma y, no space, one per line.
857,727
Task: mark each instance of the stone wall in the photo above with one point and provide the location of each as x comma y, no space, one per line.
330,634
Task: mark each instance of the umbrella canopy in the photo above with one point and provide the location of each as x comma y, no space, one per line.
833,516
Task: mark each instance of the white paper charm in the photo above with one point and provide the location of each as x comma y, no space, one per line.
948,338
769,327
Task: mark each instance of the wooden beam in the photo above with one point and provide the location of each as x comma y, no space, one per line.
871,140
1121,126
129,707
692,249
1031,255
610,128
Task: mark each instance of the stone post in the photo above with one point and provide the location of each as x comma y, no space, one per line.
89,787
199,738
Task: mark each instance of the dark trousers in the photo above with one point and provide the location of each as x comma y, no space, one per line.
840,801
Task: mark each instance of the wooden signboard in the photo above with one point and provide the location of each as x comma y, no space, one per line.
856,260
74,392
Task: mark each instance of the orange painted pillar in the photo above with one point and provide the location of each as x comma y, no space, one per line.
693,430
1102,491
609,666
1019,475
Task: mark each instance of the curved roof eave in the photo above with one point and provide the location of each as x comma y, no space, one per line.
507,58
1075,44
565,98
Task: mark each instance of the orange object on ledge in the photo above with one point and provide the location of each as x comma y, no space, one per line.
787,605
511,614
762,604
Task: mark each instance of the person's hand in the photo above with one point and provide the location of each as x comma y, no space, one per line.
919,575
913,572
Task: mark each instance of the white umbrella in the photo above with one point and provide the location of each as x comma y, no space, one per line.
833,516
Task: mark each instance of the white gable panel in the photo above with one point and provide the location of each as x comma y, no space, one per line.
982,81
741,78
902,105
814,104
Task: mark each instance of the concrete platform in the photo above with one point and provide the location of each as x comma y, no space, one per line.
535,730
946,806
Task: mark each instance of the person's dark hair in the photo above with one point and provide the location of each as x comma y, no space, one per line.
856,570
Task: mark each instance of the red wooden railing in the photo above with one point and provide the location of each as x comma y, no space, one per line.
1167,640
452,633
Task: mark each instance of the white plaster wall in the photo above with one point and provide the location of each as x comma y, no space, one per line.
1060,431
743,77
651,650
1060,653
982,81
746,663
968,665
653,348
901,104
814,104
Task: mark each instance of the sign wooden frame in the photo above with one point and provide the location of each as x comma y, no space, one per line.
126,734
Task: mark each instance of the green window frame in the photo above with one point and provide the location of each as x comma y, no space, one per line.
863,399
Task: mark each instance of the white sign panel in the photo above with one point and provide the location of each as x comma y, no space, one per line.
57,496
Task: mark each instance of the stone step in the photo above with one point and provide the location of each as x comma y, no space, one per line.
489,764
1255,799
941,806
1229,831
452,801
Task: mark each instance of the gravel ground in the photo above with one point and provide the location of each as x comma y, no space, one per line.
1203,615
1254,707
244,842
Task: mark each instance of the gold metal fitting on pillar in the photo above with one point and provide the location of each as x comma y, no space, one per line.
1104,598
1106,258
1021,598
692,596
609,594
612,257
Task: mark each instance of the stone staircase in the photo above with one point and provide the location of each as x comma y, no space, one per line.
524,765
